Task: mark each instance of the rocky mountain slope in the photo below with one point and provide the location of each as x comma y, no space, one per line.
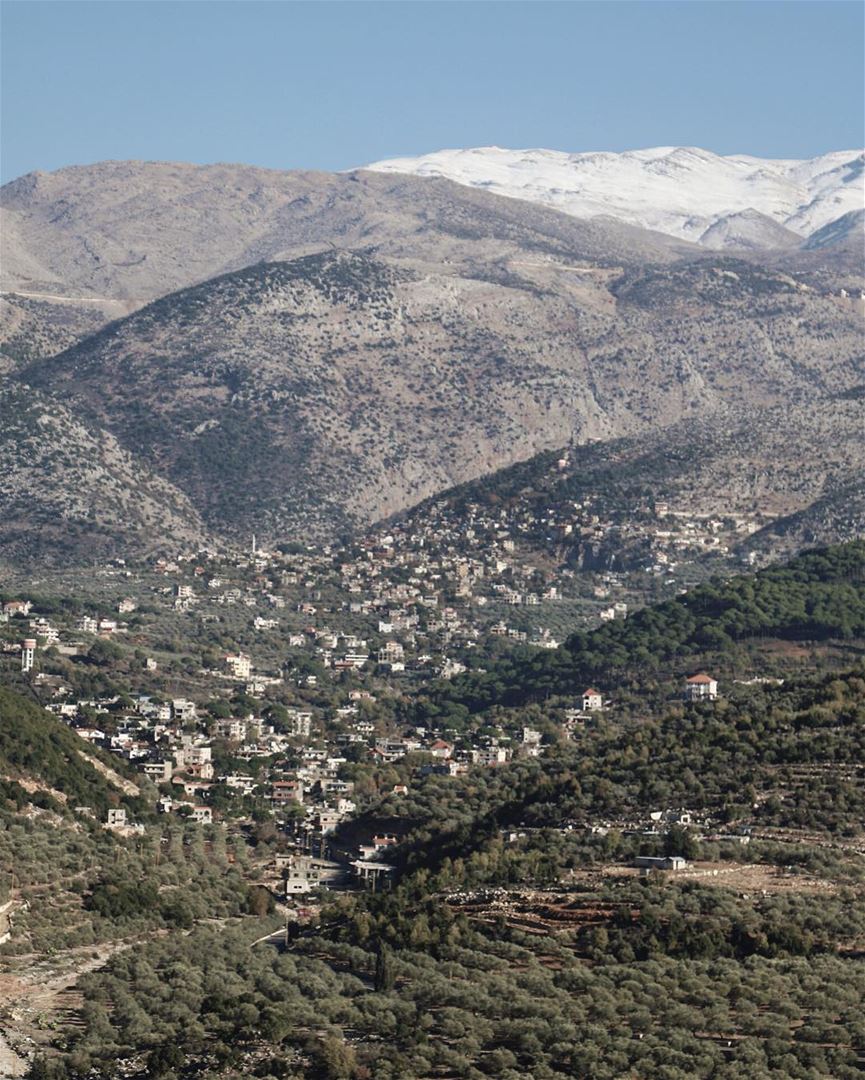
847,229
32,328
101,240
70,491
336,348
837,516
793,490
309,396
682,190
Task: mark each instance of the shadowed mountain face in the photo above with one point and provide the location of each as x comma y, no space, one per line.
839,514
845,231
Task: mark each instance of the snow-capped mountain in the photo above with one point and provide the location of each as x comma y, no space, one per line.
682,191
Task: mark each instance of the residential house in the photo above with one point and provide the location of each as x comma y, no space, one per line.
239,665
17,607
157,771
700,687
284,792
592,700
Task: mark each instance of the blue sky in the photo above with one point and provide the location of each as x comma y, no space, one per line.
330,85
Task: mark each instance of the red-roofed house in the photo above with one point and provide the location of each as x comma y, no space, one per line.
592,700
701,687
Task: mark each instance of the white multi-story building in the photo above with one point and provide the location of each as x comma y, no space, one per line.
299,723
391,652
231,728
701,687
239,665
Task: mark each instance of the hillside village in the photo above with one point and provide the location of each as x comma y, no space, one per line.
432,587
601,531
243,755
279,741
264,685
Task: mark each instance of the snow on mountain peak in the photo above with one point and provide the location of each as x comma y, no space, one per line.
680,190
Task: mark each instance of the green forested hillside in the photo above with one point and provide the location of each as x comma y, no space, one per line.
788,756
818,596
540,958
38,750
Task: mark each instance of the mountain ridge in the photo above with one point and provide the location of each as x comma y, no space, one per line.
360,342
88,244
334,390
682,191
140,218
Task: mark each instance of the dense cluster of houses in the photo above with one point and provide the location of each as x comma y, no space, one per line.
323,632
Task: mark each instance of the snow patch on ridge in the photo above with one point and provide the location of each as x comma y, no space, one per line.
679,190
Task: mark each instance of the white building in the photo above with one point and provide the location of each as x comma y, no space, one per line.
239,665
299,723
592,700
231,728
28,654
391,652
183,710
701,687
157,771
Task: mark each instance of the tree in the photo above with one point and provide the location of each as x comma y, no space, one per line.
259,902
104,653
334,1058
384,975
164,1059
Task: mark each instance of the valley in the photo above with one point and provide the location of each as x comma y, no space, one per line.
258,772
432,619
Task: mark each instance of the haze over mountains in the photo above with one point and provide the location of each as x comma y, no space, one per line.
304,353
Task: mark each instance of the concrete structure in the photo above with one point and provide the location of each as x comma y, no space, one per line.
28,654
239,665
299,723
592,700
660,862
157,771
305,873
283,792
375,876
701,687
